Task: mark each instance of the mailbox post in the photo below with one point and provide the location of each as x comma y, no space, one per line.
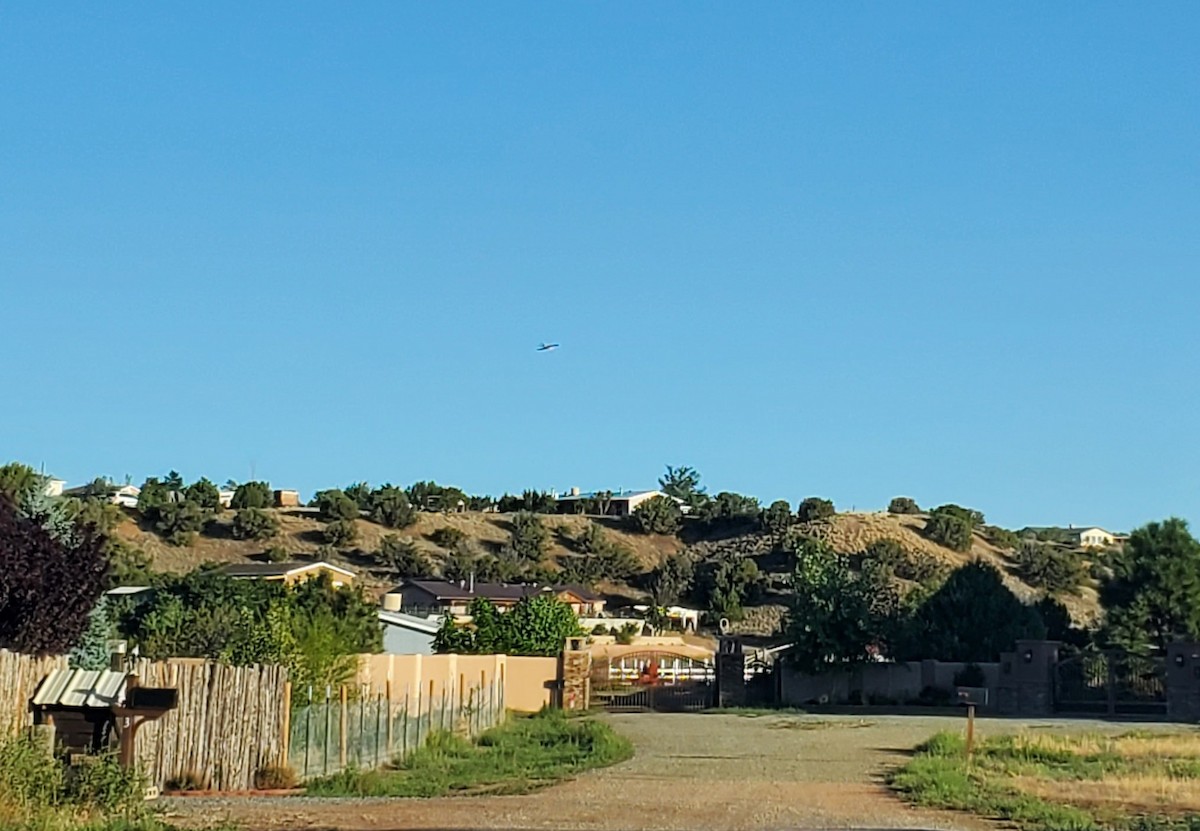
972,697
142,704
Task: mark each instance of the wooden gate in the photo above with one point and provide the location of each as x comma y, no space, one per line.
1111,683
654,680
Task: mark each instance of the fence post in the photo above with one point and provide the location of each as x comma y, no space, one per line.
429,730
378,715
308,708
287,722
404,734
362,724
388,692
418,743
342,728
328,728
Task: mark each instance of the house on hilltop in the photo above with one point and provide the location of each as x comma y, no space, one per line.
605,503
440,597
124,495
290,573
1093,537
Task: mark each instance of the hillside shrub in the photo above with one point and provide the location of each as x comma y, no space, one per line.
252,495
402,556
658,515
1001,537
814,509
904,505
950,529
333,505
204,494
341,533
1045,566
392,508
254,524
447,537
530,539
180,522
776,519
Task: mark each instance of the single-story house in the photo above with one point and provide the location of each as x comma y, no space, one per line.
1093,537
287,499
605,503
408,634
54,487
124,495
440,597
290,573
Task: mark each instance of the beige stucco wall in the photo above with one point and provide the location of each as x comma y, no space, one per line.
525,683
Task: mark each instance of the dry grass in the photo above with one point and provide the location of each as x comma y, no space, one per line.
1164,747
1147,793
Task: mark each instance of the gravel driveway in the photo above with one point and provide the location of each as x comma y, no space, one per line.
690,773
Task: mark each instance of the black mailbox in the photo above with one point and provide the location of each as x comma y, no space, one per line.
146,699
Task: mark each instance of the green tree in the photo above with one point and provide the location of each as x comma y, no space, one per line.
725,583
154,494
448,537
333,505
894,559
537,625
402,556
1153,595
252,495
530,538
127,565
205,495
830,623
950,528
360,492
50,579
728,508
672,580
392,508
683,483
179,522
903,505
1044,566
254,524
18,481
973,617
341,533
658,515
776,519
814,508
92,651
103,516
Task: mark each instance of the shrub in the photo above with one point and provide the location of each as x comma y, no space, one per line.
891,556
340,533
254,524
101,782
275,778
904,505
205,494
1001,537
814,508
179,522
334,505
1045,566
776,519
447,537
530,538
276,554
627,633
252,495
949,529
188,780
392,508
401,555
658,515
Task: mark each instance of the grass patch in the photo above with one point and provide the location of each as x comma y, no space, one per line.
1133,782
522,755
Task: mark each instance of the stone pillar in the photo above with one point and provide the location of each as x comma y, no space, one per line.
731,674
1183,681
576,675
1033,676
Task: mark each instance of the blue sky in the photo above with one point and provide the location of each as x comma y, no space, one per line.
850,250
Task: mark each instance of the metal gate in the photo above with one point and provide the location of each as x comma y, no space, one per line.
1111,683
660,681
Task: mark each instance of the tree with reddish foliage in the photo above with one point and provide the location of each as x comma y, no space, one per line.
48,585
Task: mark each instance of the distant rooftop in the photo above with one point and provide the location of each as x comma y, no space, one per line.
445,590
611,495
267,570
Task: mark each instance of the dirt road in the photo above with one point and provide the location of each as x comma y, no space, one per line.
690,773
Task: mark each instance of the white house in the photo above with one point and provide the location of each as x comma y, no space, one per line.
1093,537
54,487
607,503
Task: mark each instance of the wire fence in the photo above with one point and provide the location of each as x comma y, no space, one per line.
354,727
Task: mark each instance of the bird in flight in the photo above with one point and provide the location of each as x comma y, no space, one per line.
547,347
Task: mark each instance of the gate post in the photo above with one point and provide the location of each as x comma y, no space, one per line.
1183,681
576,675
1033,672
731,674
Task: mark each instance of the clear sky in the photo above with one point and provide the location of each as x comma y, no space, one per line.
947,250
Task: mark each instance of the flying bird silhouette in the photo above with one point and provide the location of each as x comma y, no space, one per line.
547,347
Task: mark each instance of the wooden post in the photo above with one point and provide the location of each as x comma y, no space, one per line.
970,733
342,729
430,730
388,693
287,722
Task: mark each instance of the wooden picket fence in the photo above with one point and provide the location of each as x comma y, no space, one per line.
19,679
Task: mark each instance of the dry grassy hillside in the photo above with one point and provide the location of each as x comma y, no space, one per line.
300,536
851,533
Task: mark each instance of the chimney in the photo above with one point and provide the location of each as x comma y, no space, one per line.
574,491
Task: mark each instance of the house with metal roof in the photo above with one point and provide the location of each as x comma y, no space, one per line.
290,573
604,503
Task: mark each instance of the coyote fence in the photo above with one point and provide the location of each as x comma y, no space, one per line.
20,676
357,727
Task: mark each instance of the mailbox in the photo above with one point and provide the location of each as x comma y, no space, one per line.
151,699
973,696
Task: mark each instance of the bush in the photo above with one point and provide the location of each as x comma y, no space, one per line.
188,780
252,495
776,519
903,505
814,509
949,529
891,556
333,505
101,782
448,537
658,515
401,555
530,538
179,522
341,533
254,524
392,508
205,494
627,633
275,778
1001,537
1045,566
